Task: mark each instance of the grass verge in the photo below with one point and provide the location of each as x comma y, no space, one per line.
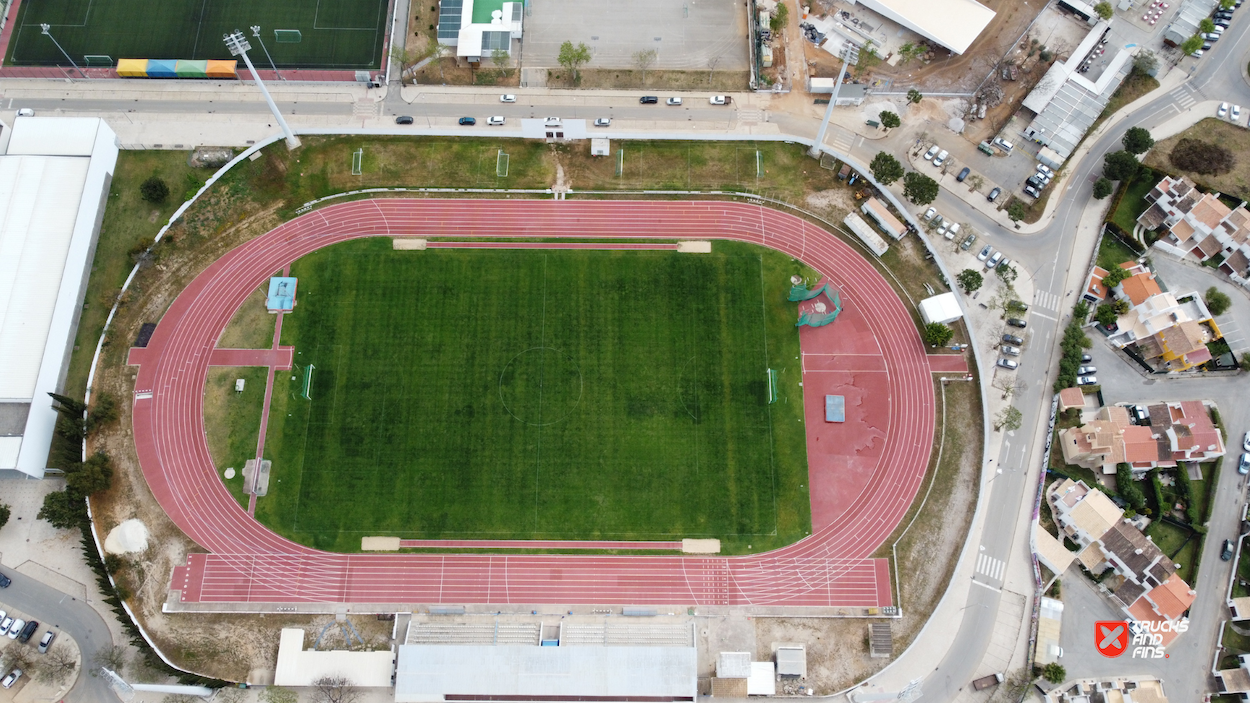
1132,205
1237,139
232,421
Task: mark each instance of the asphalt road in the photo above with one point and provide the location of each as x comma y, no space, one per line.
69,614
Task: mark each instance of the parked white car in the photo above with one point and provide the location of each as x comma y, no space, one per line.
928,214
940,158
507,98
1223,111
932,152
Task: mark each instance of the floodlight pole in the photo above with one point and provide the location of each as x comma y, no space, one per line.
256,33
46,30
238,46
833,101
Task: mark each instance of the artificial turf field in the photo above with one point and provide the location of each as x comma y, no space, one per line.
345,34
538,394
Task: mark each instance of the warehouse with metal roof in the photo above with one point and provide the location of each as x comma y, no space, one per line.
54,183
954,24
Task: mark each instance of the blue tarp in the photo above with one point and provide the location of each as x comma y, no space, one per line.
281,294
835,408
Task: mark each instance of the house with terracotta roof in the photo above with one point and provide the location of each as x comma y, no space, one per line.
1168,332
1095,291
1178,431
1198,224
1071,398
1082,513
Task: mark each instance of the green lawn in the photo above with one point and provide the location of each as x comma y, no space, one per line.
1112,253
344,34
1172,541
1133,204
232,421
539,394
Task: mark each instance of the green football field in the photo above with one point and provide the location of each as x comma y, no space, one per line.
538,394
342,34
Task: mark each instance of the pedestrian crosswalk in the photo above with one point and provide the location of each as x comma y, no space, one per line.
840,139
750,116
990,566
1046,300
1182,97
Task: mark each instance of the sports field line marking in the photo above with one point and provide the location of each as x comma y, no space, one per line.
542,342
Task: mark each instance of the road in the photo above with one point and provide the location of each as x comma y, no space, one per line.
1055,257
69,614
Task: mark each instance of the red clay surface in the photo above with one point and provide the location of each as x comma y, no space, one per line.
865,472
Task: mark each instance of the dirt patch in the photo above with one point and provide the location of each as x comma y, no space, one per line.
252,326
832,204
1237,139
630,79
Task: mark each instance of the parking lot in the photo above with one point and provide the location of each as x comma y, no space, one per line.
686,35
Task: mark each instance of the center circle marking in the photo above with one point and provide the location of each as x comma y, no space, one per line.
541,386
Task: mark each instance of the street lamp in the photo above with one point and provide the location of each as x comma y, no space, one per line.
256,33
833,101
238,46
45,29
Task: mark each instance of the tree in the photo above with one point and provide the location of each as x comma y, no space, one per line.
407,57
1128,488
573,57
914,96
919,188
1145,62
4,514
1137,140
712,63
92,476
1009,418
502,61
1206,26
1054,671
154,190
59,664
1217,304
1015,211
889,120
1008,275
779,20
19,656
970,280
335,689
103,413
111,657
1104,10
62,510
643,60
885,168
1191,45
1202,157
1009,386
1102,188
1105,314
1120,166
937,334
72,425
278,694
1114,277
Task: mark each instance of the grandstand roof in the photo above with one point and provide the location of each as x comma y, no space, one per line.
53,182
432,672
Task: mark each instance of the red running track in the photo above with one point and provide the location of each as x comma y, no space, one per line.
249,563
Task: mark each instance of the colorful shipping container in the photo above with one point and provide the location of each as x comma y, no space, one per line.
176,68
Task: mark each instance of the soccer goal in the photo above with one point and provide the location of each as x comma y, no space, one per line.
308,374
501,164
357,157
288,36
98,60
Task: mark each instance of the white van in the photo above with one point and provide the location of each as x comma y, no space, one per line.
1004,143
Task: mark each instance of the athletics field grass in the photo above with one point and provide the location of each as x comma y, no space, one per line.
344,34
539,394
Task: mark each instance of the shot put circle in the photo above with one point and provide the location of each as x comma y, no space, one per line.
540,386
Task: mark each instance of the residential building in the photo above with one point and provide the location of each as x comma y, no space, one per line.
1199,224
1167,332
1178,431
1235,680
1071,398
1082,513
1095,291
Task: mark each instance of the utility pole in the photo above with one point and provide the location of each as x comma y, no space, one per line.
46,30
256,33
833,100
238,46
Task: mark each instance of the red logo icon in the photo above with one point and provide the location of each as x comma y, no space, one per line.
1111,637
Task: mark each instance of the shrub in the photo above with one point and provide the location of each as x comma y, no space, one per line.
1105,314
1217,302
1102,188
1054,673
154,190
937,334
914,96
970,280
1202,157
1128,488
1104,10
1015,211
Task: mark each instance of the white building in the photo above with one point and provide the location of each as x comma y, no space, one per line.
479,28
943,309
54,184
953,24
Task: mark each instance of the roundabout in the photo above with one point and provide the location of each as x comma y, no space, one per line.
864,475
